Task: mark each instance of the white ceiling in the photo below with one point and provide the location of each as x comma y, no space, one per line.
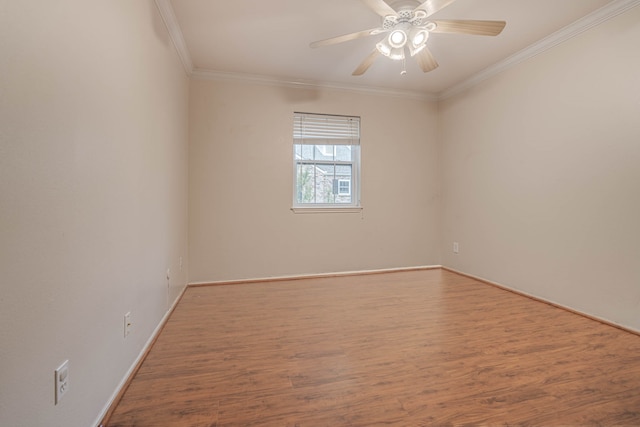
269,39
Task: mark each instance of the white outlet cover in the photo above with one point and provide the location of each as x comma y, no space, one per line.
61,381
127,324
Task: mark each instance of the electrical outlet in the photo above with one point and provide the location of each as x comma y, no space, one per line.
62,381
456,248
127,324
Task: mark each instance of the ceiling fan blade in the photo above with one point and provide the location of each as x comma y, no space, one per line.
426,61
346,37
380,7
432,6
364,65
479,28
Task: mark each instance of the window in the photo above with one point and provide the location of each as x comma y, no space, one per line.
326,153
344,187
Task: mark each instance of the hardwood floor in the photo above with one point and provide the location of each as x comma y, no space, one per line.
405,349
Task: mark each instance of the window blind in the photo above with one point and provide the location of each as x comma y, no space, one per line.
320,129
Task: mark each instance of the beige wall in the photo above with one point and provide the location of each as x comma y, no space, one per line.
539,171
241,178
541,174
93,198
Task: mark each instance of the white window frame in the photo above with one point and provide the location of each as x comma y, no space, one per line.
321,130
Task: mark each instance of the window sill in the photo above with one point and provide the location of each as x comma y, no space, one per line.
329,209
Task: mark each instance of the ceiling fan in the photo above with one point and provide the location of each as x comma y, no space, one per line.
407,27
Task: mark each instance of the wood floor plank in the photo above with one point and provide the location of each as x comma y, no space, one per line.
407,348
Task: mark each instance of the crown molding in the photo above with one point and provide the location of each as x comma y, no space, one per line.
204,74
171,22
595,18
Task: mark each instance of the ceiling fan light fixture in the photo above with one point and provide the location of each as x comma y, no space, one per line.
384,48
415,50
398,38
397,54
419,38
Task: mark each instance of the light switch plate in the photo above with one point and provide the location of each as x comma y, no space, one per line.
62,381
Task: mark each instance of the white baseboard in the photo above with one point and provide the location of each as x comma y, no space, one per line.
312,276
138,360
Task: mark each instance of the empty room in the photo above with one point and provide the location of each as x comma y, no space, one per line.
319,213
